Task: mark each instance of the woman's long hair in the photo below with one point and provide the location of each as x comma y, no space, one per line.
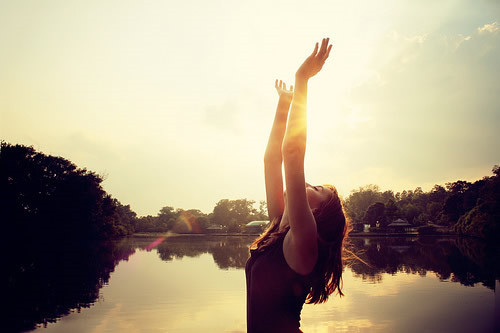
333,228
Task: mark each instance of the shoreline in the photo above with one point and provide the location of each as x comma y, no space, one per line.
353,234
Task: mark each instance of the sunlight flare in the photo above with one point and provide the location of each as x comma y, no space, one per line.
154,244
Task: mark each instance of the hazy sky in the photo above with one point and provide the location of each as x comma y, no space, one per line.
172,101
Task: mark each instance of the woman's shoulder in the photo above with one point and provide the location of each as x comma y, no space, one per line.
297,261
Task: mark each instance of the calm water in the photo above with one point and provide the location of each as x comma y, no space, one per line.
197,284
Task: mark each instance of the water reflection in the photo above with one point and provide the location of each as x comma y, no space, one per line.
45,282
463,260
228,252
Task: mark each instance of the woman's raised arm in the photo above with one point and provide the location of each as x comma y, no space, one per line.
300,247
272,157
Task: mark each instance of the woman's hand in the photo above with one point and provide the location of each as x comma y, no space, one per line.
283,93
313,64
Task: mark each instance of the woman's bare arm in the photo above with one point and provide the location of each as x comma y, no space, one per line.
300,245
273,157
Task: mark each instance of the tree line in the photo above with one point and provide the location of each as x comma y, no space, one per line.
471,208
43,195
228,215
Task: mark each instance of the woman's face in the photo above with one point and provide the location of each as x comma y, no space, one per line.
316,195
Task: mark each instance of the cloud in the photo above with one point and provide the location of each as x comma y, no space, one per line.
433,103
488,28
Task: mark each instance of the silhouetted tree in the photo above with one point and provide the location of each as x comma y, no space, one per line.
483,219
47,196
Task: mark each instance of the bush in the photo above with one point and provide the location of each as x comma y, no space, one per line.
481,221
427,230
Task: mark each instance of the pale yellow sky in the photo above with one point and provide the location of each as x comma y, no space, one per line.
173,101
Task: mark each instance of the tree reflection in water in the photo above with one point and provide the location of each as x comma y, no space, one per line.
465,260
228,252
46,281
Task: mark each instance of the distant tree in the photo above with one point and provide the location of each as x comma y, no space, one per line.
233,213
166,218
261,214
460,186
387,196
454,207
174,219
438,194
376,213
146,224
127,215
191,221
391,211
405,195
482,220
234,226
203,222
421,219
410,212
420,198
433,209
222,212
359,200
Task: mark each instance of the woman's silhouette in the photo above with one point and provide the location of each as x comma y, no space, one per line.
299,257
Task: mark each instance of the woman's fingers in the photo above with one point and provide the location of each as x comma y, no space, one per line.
324,47
315,50
328,52
281,86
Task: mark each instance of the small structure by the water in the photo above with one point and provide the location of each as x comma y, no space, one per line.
255,227
399,225
214,229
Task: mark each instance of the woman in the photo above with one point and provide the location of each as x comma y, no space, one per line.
299,257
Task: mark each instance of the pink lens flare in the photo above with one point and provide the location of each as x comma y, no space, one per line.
155,243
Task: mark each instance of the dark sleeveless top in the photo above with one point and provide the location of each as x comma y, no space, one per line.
275,292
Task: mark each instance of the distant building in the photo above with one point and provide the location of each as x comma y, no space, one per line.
255,227
214,229
399,225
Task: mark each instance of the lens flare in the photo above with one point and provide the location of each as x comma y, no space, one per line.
190,221
155,243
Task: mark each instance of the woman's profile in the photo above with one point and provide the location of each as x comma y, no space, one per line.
298,258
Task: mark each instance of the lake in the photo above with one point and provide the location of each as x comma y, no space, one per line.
197,284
